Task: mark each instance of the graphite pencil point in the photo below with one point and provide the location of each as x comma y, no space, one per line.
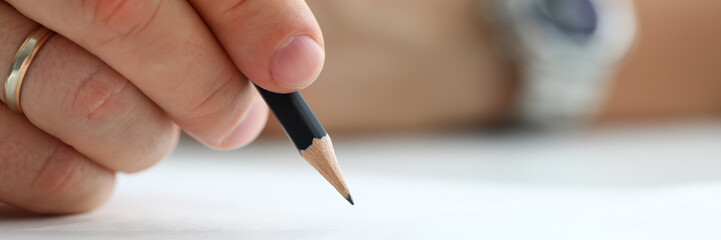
350,199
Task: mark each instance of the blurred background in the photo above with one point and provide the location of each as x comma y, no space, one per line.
417,66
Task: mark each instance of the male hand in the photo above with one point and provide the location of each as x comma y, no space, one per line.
111,89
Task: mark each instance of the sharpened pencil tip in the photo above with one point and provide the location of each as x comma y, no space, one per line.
350,199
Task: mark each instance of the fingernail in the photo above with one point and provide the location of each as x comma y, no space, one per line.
297,64
249,127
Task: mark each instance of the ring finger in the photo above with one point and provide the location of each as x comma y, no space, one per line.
74,96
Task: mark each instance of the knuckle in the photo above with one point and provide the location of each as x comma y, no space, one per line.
99,99
122,18
211,114
235,9
216,101
58,172
61,183
159,146
113,107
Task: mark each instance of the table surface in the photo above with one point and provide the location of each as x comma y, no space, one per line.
658,182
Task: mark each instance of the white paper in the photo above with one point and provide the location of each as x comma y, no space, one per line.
652,183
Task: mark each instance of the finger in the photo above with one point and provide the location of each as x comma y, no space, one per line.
44,175
165,49
77,98
276,43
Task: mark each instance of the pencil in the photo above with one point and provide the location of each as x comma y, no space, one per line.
308,135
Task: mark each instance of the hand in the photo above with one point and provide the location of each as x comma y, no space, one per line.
111,89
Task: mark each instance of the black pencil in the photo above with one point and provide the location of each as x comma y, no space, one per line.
310,138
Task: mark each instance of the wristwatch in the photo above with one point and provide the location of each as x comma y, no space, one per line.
566,51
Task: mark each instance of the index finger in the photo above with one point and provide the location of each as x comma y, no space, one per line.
276,43
165,49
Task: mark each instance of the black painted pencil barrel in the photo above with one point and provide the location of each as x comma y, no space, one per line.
296,117
303,128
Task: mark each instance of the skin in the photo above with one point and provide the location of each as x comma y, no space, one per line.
111,90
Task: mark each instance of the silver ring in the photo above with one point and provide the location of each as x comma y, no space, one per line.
21,62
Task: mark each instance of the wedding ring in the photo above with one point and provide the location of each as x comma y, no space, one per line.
20,64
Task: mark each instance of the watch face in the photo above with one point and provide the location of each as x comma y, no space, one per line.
561,32
578,18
